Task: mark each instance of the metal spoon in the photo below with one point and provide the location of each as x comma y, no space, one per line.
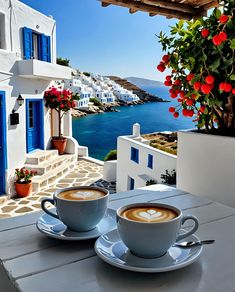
189,244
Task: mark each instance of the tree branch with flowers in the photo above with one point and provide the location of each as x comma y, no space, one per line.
201,55
61,101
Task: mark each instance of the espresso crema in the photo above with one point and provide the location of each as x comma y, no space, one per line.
149,214
82,194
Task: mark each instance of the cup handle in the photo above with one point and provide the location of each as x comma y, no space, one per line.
194,229
43,202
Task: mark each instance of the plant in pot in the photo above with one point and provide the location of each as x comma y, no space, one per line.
23,183
201,54
61,101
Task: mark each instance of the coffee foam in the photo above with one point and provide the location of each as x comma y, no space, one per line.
81,195
149,214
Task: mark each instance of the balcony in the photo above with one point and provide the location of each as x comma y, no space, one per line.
37,69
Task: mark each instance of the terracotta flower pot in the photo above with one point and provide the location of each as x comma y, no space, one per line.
59,144
23,189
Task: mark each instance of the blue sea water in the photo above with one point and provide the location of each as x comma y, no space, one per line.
100,131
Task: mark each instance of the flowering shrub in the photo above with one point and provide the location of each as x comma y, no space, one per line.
201,55
23,175
61,101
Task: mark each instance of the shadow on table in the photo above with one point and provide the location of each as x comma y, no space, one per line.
116,280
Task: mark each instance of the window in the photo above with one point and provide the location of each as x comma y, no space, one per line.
2,32
134,154
150,161
131,183
37,46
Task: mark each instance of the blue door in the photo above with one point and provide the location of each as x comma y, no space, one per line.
34,124
3,145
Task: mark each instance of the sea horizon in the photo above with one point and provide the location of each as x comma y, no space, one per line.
99,132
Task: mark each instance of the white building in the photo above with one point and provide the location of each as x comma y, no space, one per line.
28,66
84,91
137,162
125,95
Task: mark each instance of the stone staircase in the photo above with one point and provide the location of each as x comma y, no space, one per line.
50,167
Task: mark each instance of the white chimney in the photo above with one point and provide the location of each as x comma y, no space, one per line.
136,130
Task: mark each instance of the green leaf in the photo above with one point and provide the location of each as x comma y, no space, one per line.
217,13
214,65
232,77
232,44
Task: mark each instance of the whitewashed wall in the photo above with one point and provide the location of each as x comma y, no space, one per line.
18,15
206,166
162,161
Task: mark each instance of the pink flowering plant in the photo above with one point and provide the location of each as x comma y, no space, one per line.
201,56
23,175
61,101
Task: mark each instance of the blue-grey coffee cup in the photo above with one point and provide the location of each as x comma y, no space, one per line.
152,239
79,215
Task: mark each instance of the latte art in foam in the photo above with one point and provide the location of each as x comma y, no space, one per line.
149,214
82,194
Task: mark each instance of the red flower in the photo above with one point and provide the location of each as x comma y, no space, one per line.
177,82
61,106
216,40
26,172
161,67
179,99
222,86
174,95
171,109
205,32
223,18
190,76
193,96
171,90
228,87
197,85
176,115
190,113
202,108
182,94
166,58
223,36
209,79
167,83
233,91
189,102
168,78
185,112
206,89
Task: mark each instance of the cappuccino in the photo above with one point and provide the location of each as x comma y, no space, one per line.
81,194
149,214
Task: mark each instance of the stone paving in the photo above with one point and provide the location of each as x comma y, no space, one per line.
84,173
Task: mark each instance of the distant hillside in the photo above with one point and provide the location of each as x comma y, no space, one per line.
142,94
141,82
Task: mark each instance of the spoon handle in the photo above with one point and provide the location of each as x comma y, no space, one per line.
209,241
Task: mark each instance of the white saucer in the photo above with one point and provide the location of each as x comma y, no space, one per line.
110,248
53,227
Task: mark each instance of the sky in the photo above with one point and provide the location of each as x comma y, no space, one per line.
106,41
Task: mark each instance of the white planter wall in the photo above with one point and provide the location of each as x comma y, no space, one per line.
206,166
110,170
140,172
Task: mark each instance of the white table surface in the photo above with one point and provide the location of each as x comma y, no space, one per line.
31,262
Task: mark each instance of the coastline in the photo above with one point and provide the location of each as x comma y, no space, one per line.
144,96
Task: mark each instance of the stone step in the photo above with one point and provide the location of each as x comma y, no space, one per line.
41,156
51,164
50,177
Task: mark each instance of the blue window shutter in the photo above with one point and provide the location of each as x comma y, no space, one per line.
150,161
132,183
134,154
27,43
45,48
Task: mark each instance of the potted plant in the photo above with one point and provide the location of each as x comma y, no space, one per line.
23,183
201,56
61,101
